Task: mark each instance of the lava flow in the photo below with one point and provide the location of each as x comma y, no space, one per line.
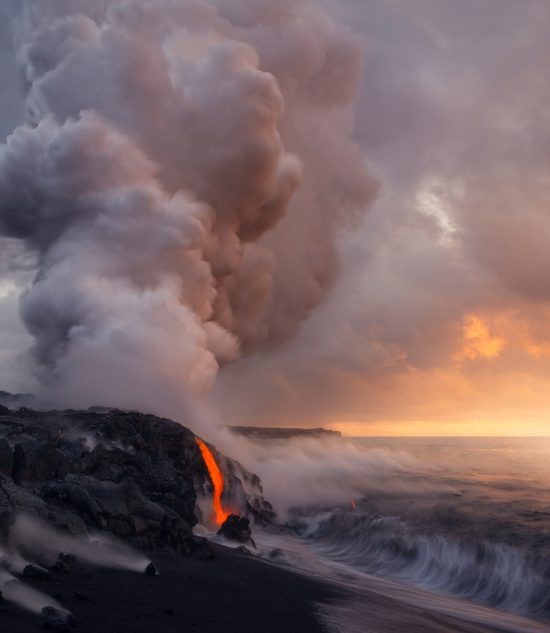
217,481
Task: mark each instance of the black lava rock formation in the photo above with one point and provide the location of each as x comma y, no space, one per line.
236,528
130,474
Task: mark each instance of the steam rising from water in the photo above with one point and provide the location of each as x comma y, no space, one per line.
467,518
179,181
323,471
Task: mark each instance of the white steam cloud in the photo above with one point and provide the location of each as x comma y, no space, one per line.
96,549
179,181
312,472
25,596
30,538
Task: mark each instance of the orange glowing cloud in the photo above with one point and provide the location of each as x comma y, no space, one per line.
478,340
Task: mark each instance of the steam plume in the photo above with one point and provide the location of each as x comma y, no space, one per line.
100,550
179,180
37,539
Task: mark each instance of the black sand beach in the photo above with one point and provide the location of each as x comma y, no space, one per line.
233,593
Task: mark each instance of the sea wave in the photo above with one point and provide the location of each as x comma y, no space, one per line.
492,573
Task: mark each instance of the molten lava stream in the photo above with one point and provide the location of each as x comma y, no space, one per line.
217,481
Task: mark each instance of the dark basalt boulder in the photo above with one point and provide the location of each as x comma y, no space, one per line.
236,528
38,573
54,619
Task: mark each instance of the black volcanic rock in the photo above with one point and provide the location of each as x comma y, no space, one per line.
6,458
55,619
32,571
59,565
130,474
36,460
236,528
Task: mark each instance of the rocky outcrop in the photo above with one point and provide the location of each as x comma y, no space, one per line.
236,528
133,475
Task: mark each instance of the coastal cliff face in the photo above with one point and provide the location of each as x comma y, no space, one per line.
130,474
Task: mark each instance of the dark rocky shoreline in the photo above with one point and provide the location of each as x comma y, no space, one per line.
124,474
133,475
137,477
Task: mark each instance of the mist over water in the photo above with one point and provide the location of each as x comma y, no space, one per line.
464,517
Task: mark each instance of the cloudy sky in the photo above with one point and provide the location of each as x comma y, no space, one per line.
418,164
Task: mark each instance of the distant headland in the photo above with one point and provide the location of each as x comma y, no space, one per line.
275,433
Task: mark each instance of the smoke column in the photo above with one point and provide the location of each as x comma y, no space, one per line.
179,180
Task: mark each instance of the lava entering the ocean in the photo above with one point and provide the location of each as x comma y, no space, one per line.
216,476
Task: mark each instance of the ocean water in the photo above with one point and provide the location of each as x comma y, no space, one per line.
462,517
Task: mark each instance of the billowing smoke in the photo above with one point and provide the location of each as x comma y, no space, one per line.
179,182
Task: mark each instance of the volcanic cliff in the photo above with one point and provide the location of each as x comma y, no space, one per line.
134,475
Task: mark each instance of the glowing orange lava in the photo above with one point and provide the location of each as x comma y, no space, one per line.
217,481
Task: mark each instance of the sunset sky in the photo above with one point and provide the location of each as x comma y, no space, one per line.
435,319
439,321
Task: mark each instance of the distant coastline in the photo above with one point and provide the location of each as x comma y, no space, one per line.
275,433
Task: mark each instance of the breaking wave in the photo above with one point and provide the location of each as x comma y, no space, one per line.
492,573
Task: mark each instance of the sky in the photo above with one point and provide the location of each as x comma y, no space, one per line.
404,288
